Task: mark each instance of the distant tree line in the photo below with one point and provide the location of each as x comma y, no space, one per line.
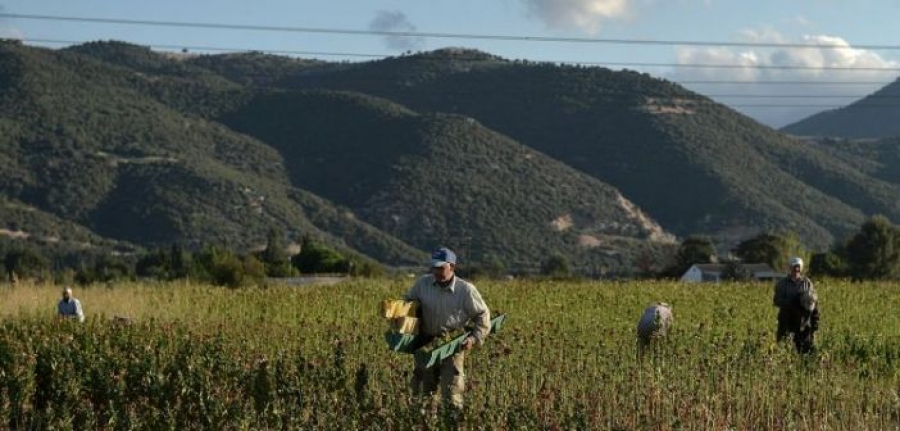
211,264
872,253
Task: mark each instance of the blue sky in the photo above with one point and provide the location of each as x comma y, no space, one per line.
756,74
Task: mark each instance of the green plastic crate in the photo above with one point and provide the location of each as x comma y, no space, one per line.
406,343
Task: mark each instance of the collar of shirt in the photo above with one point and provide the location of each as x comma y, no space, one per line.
450,287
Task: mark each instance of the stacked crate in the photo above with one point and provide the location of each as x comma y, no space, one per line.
404,325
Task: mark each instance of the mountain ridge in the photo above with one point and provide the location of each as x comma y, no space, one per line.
874,116
626,129
122,163
600,166
421,163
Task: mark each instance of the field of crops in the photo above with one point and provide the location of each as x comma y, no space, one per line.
198,357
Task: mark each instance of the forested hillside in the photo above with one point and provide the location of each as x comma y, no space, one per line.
83,141
874,116
508,161
423,177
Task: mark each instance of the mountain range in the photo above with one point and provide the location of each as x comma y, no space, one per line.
874,116
508,162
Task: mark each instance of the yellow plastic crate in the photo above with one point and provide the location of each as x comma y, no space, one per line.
405,325
394,308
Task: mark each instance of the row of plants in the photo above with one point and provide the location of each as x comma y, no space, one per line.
199,357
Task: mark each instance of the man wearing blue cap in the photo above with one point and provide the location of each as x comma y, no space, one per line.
447,303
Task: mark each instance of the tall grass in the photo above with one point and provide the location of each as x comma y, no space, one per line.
314,358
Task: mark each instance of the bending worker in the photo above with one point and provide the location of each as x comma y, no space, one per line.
653,325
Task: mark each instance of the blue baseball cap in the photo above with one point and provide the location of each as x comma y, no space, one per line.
442,256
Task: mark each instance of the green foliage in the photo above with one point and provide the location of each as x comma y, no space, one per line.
772,249
112,139
25,263
256,68
695,249
874,252
161,264
179,262
274,252
469,207
829,264
275,257
736,271
316,258
879,159
224,268
104,268
729,171
153,265
366,268
493,267
765,248
254,269
556,266
868,117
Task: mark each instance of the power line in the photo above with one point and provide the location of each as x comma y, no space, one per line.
697,101
563,62
743,66
804,96
728,66
518,38
730,82
810,105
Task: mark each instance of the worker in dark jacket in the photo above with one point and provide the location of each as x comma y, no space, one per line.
798,308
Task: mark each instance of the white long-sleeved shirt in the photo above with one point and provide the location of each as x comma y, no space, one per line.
449,308
655,321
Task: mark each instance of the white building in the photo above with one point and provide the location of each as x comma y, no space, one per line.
712,272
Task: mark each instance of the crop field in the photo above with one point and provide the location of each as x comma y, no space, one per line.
202,357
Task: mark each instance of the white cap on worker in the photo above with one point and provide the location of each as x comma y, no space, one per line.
796,261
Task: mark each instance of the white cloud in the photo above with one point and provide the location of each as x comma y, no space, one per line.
781,85
587,15
396,21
